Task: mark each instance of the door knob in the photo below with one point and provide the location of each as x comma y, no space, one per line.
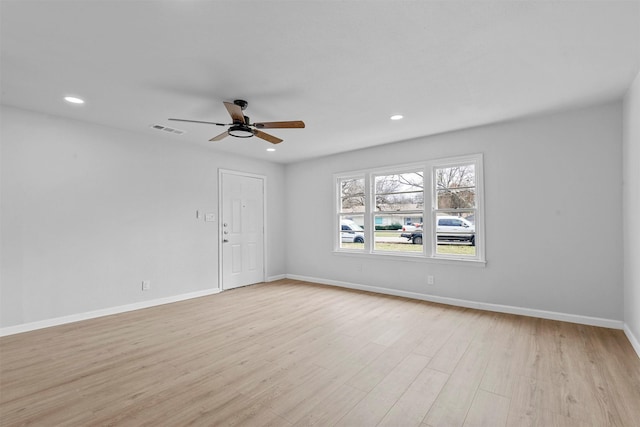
225,241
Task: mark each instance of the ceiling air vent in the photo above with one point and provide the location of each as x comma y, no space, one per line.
168,129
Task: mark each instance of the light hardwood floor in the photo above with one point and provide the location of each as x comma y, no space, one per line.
290,353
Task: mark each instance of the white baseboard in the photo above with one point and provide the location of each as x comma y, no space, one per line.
551,315
632,339
277,277
26,327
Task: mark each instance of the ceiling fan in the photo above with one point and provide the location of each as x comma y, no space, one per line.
242,126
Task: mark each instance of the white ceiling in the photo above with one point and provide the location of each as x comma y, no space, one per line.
343,67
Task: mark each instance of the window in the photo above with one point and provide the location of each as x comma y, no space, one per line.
429,210
351,210
396,196
455,208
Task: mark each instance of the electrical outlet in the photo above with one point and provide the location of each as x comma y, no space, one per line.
431,280
146,285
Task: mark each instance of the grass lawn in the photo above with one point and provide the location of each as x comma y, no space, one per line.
456,250
398,247
407,246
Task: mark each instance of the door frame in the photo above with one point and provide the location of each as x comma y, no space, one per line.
222,172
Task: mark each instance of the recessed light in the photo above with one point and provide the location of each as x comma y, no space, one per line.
73,100
396,117
271,149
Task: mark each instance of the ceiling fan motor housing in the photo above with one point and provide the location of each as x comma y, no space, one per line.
241,103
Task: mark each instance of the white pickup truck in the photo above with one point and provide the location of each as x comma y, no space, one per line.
448,229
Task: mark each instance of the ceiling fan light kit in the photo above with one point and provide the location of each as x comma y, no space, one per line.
241,127
240,131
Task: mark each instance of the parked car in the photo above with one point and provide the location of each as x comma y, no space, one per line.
448,229
350,232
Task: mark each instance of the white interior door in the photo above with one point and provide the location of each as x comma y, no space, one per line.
242,229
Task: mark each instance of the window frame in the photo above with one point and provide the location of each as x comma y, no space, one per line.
428,213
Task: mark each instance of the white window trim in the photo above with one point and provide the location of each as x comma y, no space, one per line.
428,253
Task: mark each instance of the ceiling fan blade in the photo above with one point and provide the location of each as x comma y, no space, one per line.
235,111
272,139
198,121
273,125
219,137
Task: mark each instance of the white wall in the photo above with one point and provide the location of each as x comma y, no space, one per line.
631,211
88,212
553,193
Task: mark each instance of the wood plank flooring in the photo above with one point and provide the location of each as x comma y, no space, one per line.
291,353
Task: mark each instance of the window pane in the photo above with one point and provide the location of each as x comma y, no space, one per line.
399,192
351,232
392,236
456,187
456,233
352,195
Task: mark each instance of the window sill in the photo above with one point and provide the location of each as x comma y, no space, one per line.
413,258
